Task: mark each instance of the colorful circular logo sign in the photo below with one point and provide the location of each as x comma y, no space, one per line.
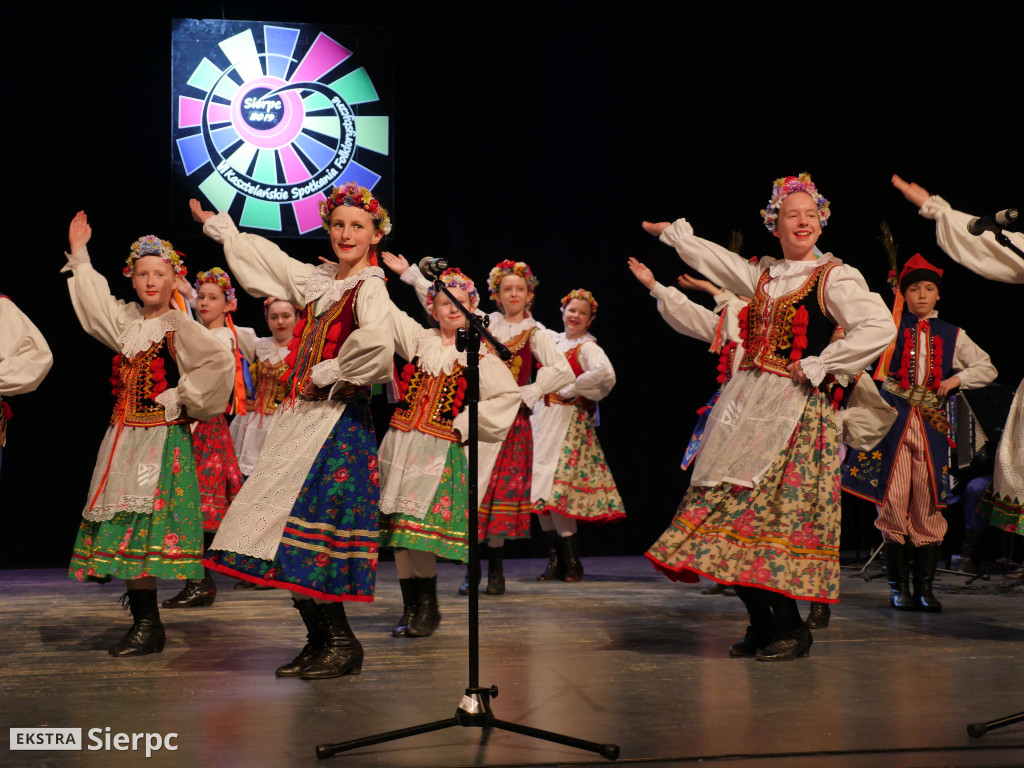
275,124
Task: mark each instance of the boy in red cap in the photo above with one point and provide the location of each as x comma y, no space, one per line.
907,476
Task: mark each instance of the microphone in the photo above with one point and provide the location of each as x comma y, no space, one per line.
433,267
998,220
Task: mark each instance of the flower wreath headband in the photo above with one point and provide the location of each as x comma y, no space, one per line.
217,276
508,267
453,278
783,188
271,300
355,196
151,245
582,295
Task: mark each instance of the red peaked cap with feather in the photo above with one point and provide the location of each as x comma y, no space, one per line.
917,269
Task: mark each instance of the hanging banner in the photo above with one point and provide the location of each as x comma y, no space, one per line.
268,117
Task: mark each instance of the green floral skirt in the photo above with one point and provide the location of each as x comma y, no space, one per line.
444,529
166,543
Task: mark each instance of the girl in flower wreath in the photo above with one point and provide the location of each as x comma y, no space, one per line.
219,476
269,373
142,519
422,463
571,480
762,511
306,519
505,469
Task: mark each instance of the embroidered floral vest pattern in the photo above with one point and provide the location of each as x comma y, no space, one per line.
136,382
779,331
270,381
319,337
429,403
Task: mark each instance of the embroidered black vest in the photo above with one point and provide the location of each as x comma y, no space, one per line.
429,403
777,332
136,382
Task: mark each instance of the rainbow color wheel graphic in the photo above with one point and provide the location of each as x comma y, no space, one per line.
278,127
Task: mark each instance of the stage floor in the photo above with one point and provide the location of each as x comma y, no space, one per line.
624,657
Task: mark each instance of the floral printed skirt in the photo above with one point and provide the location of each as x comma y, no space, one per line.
1003,513
328,549
217,467
166,542
443,530
505,507
782,535
583,486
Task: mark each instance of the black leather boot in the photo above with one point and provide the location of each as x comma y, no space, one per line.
342,653
572,568
926,561
553,570
427,617
970,562
195,594
792,637
818,616
147,633
464,587
495,571
409,606
761,630
316,637
899,576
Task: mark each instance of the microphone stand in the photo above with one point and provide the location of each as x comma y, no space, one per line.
1004,241
474,708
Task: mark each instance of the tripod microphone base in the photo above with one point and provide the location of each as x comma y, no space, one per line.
474,711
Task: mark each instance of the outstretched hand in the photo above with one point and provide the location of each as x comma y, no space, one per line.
915,193
198,213
655,228
79,232
641,273
688,283
397,264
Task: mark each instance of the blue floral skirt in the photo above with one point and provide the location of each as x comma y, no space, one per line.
328,549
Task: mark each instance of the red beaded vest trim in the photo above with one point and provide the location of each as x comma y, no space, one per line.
775,331
138,380
429,403
317,338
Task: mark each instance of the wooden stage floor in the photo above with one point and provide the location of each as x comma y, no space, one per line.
624,657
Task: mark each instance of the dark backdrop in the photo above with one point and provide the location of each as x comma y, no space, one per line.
544,136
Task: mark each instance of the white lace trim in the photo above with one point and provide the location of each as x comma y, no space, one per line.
171,402
565,344
266,349
934,207
814,369
434,357
322,282
76,259
134,505
788,268
504,330
140,334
